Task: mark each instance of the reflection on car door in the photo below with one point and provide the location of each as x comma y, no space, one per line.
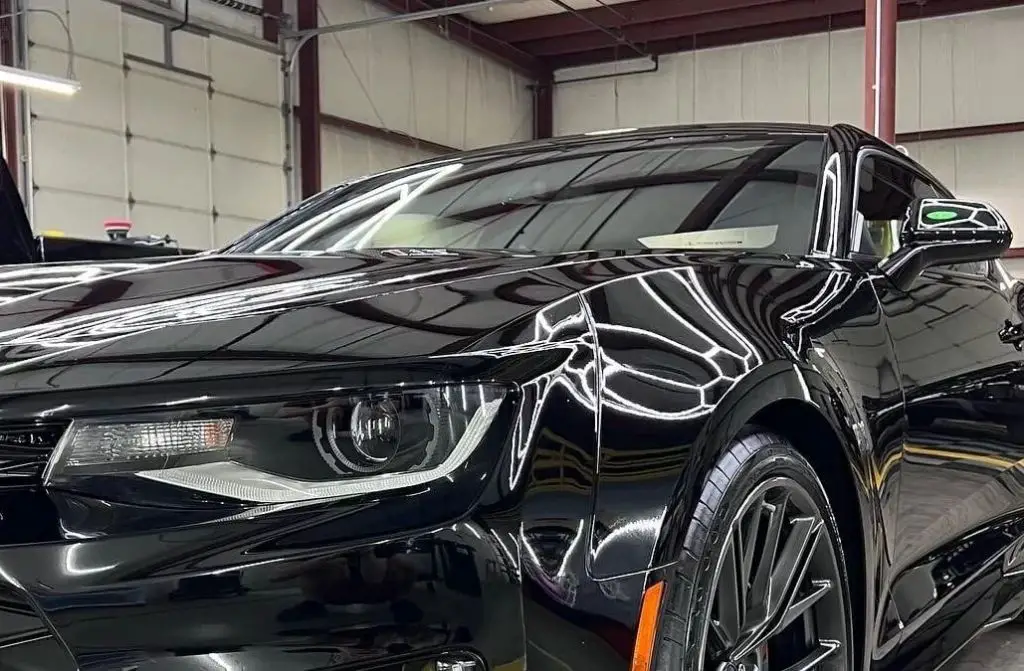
962,449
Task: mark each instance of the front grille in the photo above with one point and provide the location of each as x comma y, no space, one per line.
25,449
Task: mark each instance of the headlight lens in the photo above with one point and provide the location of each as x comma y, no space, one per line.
283,452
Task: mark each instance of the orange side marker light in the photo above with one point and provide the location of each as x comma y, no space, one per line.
647,629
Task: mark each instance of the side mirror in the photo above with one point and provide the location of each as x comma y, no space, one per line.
944,231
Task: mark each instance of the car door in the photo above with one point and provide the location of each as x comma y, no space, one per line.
962,449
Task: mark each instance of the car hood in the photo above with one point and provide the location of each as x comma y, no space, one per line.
208,316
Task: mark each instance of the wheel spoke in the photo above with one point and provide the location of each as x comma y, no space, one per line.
761,583
794,560
730,594
824,650
798,607
718,642
758,511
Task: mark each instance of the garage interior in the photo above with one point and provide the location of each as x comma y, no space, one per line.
200,119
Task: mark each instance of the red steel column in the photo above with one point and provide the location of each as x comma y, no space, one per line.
309,102
272,11
880,68
10,93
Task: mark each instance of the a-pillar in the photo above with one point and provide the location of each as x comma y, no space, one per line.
880,68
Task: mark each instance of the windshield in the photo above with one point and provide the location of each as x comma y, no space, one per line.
740,192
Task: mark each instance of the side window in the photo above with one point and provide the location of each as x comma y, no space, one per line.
885,190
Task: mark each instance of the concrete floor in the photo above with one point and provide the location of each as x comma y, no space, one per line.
999,649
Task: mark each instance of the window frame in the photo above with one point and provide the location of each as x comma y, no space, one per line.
908,164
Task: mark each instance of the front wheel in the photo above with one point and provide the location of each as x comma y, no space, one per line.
762,584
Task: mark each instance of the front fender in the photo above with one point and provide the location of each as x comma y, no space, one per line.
691,357
773,384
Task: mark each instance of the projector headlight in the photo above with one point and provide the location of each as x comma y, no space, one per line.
282,452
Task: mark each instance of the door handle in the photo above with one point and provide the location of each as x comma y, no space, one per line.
1012,334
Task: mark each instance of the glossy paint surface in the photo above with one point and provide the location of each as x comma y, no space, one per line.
632,372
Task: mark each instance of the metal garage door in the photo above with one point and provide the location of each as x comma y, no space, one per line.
182,133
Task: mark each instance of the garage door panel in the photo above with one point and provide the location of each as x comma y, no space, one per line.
142,132
245,72
99,103
190,229
191,51
166,108
95,27
240,129
52,210
227,229
143,37
78,159
246,189
169,175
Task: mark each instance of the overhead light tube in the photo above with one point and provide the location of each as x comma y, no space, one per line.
38,81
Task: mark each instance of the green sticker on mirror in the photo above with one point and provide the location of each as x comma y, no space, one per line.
941,215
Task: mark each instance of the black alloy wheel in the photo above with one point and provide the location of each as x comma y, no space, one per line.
762,584
777,597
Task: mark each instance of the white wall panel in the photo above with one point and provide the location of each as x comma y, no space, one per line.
951,72
345,155
404,78
195,150
988,168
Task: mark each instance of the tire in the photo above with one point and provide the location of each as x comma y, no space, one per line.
699,630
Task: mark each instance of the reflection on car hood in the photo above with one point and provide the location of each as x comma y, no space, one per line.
231,314
18,281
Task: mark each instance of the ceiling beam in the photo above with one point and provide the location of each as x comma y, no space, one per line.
780,11
619,15
472,35
788,18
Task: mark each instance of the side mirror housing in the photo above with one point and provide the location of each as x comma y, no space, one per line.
944,231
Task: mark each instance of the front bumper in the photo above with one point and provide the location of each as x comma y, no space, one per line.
401,605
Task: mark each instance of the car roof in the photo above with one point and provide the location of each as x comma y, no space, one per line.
621,138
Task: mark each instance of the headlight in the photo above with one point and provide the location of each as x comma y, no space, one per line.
282,452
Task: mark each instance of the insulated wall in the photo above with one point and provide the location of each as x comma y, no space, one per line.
181,132
406,78
952,72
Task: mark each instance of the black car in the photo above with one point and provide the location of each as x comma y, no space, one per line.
723,397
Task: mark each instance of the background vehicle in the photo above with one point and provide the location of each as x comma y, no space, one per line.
22,246
758,421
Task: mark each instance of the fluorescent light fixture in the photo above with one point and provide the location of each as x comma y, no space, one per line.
36,80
